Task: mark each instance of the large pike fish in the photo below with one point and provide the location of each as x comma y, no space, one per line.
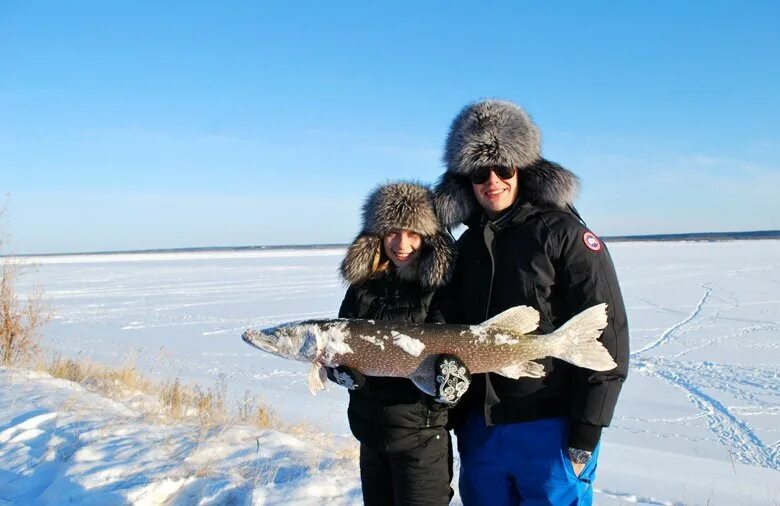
503,345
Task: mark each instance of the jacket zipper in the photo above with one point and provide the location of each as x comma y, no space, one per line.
515,216
492,266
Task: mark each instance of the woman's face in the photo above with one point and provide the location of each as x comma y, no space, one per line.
402,247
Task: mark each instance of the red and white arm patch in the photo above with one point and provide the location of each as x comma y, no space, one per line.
591,241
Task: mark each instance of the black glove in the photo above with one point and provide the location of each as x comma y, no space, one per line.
349,378
452,379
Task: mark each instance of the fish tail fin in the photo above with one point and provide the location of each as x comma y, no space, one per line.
317,377
577,341
519,319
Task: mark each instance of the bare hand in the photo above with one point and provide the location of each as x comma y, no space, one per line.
577,468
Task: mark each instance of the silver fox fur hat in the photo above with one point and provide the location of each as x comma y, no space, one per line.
394,206
497,133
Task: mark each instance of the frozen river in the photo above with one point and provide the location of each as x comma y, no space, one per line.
704,319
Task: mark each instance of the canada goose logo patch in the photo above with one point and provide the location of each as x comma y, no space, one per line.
591,241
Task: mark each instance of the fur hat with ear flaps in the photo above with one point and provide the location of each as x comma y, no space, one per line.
396,206
497,133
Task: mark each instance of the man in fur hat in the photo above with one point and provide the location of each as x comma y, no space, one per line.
529,440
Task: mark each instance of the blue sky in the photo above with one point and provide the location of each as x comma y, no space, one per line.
179,124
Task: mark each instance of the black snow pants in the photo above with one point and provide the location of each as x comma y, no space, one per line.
419,476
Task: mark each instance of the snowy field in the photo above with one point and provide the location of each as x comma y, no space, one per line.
698,421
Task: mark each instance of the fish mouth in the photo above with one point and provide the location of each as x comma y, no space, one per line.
260,339
248,336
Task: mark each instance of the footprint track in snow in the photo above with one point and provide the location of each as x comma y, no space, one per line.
731,431
666,334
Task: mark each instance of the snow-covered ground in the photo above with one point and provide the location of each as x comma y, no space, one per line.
60,444
698,421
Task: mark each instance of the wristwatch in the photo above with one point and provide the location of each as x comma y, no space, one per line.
579,456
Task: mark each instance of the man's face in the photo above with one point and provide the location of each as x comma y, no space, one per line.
496,195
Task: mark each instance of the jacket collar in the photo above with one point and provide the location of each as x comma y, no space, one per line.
518,213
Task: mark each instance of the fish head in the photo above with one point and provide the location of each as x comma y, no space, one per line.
296,340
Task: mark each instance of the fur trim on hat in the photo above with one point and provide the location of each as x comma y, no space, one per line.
401,205
546,182
437,260
361,258
396,206
543,182
491,133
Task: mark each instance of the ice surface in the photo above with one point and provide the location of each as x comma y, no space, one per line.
698,420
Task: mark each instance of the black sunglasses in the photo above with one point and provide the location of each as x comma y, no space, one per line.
482,174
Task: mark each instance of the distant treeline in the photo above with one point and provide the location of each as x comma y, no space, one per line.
698,237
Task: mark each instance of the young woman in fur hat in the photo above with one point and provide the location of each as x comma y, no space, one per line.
394,267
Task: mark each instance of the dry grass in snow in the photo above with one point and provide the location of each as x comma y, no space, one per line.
168,401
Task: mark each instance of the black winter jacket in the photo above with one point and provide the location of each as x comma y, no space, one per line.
391,414
546,258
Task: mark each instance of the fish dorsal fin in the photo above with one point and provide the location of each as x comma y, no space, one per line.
520,319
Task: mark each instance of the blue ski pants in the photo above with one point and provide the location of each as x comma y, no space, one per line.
520,463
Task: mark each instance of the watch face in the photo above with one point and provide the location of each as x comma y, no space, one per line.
579,456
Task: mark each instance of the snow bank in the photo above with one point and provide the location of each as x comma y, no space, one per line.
62,444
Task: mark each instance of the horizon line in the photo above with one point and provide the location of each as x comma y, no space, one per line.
688,236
